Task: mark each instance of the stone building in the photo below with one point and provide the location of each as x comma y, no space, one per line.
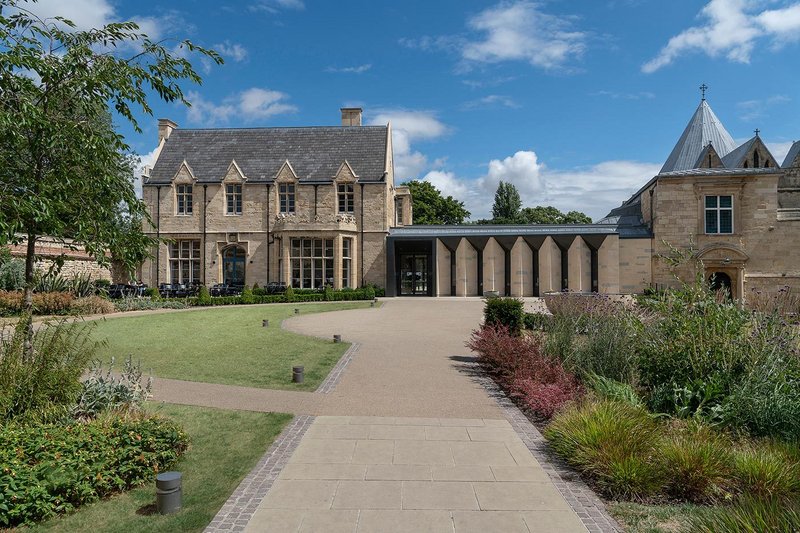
303,206
318,205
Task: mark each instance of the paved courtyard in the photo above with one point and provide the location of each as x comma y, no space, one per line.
408,438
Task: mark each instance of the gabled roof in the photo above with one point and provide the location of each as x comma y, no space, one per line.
794,151
703,128
708,158
736,158
315,153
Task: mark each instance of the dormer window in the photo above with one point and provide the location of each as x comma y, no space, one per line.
233,199
184,197
286,197
346,197
719,214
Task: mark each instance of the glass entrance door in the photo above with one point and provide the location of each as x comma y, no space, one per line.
413,275
233,265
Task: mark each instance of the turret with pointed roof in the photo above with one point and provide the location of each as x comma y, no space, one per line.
703,129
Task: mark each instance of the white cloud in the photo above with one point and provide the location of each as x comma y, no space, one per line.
409,126
779,150
249,105
595,190
753,109
233,51
146,161
731,28
520,31
615,95
491,101
274,6
359,69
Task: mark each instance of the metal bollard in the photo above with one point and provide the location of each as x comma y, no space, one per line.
265,323
297,374
168,492
337,338
297,310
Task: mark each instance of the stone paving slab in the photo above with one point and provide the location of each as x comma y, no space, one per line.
371,474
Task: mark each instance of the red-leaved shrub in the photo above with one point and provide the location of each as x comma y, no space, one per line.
520,366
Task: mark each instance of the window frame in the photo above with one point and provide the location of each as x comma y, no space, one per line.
184,200
717,209
287,198
311,262
234,199
347,261
346,198
185,261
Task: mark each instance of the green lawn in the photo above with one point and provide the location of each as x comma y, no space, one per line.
225,446
225,345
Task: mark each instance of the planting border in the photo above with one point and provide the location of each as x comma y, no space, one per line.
586,504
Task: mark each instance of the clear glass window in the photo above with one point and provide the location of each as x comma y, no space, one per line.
719,214
233,199
184,261
183,194
286,197
346,197
347,261
311,263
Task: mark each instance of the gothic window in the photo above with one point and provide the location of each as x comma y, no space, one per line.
233,199
756,162
286,197
719,214
346,197
184,198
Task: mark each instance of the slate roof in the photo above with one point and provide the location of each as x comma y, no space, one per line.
315,153
794,151
735,159
703,128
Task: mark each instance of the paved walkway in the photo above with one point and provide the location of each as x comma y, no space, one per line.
408,440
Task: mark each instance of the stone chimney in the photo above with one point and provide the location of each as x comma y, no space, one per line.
351,116
165,127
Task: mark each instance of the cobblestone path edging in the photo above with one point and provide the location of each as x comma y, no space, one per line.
338,370
586,504
242,504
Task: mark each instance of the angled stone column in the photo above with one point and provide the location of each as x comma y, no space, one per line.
580,266
443,273
466,269
549,267
451,244
606,248
479,243
535,244
522,269
564,242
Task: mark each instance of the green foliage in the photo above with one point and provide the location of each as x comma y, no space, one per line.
203,296
536,321
328,293
247,296
610,389
143,304
289,294
34,381
12,274
152,293
507,204
507,312
551,215
698,463
65,172
614,443
104,390
430,207
765,471
92,305
50,469
750,515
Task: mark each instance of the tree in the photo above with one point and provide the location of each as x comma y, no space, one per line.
64,171
430,207
507,204
551,215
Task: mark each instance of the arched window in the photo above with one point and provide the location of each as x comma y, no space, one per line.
756,162
233,266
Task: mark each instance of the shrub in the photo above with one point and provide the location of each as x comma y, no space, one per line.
152,293
247,296
81,286
697,462
765,472
52,303
536,321
259,291
369,292
328,293
289,294
610,389
549,391
749,515
506,311
203,296
48,376
92,305
52,469
143,304
783,302
104,391
12,275
611,442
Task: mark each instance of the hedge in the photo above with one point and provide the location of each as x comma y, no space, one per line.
304,296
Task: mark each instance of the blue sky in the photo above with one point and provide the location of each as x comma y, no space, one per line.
577,103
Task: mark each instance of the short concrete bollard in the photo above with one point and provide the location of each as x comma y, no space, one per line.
168,492
265,323
337,338
297,310
297,374
372,304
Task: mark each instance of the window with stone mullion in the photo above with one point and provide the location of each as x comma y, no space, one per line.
233,198
311,263
346,197
719,214
184,199
184,261
286,197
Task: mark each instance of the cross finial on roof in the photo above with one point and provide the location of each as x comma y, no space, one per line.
757,131
703,89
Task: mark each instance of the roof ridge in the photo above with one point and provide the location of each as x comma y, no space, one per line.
262,128
703,128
